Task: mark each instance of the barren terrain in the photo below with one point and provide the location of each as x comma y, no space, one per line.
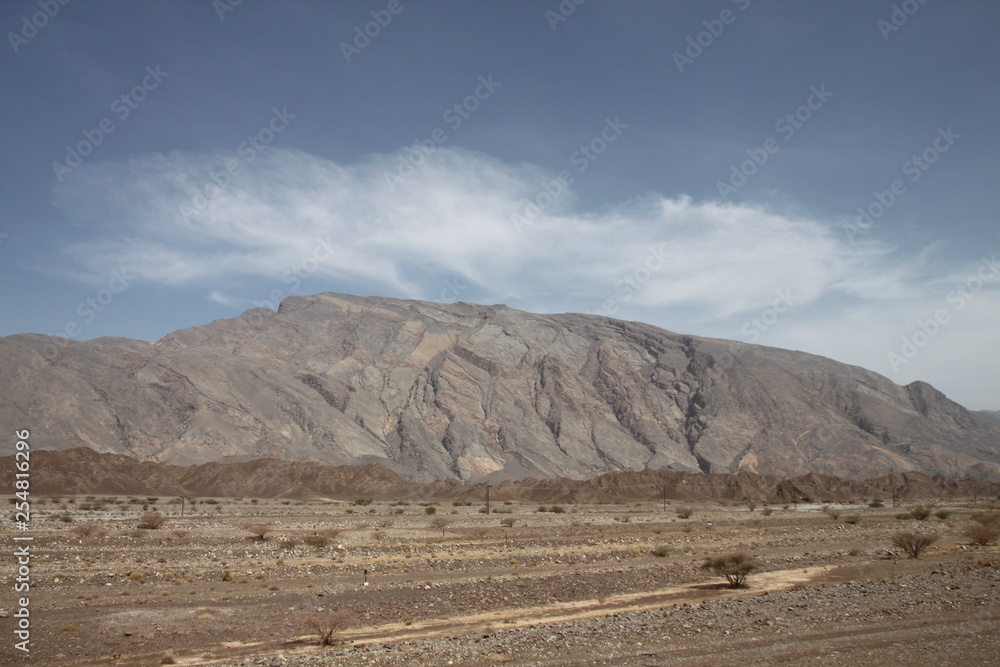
597,583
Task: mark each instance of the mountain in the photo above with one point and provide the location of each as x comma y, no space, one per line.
472,392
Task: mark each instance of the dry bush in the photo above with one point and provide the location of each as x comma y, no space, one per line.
852,519
151,520
982,534
89,529
661,551
735,567
331,532
920,513
913,544
440,522
684,512
326,624
316,540
750,503
508,522
179,534
259,531
831,512
987,518
767,511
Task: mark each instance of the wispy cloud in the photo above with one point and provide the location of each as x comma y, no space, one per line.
718,263
454,217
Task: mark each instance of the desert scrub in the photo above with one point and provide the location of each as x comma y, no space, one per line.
735,567
326,624
913,544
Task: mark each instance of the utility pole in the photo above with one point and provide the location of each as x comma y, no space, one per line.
664,497
487,498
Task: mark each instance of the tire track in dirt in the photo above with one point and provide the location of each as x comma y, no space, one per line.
514,617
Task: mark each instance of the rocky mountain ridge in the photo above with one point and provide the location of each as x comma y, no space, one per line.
471,392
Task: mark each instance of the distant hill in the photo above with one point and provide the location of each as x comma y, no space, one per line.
471,392
83,471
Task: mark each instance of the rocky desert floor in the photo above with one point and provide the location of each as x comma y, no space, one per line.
231,582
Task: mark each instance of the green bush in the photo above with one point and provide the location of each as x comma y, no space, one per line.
430,509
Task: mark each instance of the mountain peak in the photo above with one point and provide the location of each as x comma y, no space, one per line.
476,392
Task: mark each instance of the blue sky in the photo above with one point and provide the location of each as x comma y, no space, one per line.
696,165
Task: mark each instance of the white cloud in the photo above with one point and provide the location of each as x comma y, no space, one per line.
452,219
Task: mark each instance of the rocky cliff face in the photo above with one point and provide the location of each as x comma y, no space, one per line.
475,392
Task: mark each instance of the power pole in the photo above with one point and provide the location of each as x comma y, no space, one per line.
487,498
664,497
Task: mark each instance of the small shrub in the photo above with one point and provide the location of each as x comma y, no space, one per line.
767,511
987,518
684,512
430,509
735,567
89,529
363,501
905,516
331,532
876,504
542,508
831,512
179,534
440,522
982,534
943,514
920,513
661,551
326,624
151,520
558,509
852,519
913,544
258,531
316,540
508,522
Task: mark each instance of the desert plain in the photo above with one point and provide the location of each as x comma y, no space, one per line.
236,581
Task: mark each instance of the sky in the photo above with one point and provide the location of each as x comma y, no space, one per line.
815,176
